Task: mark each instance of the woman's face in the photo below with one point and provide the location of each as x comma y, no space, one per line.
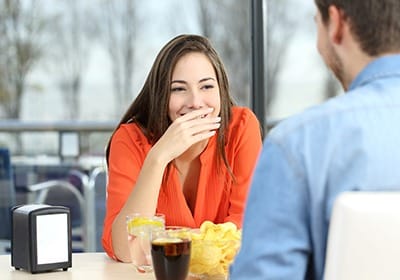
194,86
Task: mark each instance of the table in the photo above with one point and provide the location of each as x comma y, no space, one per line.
85,266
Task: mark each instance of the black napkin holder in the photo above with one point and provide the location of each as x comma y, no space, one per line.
41,238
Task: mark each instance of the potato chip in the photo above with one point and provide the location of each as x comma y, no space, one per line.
214,247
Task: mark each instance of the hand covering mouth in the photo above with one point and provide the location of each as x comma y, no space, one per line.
199,117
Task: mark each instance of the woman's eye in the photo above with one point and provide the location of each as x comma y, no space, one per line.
206,87
176,89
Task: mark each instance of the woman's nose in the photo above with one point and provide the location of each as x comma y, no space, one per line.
195,100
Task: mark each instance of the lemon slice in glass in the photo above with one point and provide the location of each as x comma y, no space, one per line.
141,224
166,240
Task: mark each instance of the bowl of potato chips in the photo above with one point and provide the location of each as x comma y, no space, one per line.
214,247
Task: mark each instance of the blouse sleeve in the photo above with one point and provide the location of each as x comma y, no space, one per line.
245,146
124,163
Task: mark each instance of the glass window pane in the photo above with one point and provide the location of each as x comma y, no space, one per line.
296,75
87,60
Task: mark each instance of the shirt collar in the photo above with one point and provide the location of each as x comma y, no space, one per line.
385,66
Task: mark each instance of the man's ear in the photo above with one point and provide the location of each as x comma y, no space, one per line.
336,24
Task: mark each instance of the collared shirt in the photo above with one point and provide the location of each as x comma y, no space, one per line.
351,142
218,198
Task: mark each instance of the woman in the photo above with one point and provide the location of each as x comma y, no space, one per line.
182,148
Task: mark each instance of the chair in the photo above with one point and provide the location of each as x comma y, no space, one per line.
59,185
96,205
364,237
85,196
68,192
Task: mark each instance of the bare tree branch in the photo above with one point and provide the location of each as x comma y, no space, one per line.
280,27
71,55
21,28
21,31
117,31
226,23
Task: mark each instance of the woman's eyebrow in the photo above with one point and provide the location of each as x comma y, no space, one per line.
206,79
179,81
200,81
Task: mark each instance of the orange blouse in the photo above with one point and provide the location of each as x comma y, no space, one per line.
218,198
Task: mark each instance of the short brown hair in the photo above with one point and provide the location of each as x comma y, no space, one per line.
374,23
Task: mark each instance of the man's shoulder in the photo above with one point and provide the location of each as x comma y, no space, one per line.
316,118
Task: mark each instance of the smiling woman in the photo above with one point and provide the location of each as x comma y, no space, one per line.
193,88
182,148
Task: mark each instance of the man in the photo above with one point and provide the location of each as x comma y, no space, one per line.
351,142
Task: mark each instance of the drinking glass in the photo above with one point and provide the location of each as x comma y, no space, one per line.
170,251
139,227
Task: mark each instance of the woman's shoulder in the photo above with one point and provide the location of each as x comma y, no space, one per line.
130,132
242,116
244,128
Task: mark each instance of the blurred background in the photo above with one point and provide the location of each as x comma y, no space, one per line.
69,69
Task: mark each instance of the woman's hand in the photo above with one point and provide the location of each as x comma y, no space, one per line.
185,131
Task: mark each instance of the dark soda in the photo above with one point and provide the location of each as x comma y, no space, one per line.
171,259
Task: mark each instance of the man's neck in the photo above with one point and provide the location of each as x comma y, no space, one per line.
354,65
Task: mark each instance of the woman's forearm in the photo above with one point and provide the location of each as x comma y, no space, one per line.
143,199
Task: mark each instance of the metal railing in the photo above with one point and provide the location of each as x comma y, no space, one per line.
68,131
62,126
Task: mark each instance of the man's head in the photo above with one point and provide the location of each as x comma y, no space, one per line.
353,32
374,23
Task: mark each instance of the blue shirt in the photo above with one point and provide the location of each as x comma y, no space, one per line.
351,142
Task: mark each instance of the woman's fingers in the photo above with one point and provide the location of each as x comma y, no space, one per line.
202,136
197,119
195,114
195,126
211,125
187,130
193,131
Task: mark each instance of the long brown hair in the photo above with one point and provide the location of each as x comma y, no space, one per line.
150,108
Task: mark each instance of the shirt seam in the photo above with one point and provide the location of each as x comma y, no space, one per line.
293,164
